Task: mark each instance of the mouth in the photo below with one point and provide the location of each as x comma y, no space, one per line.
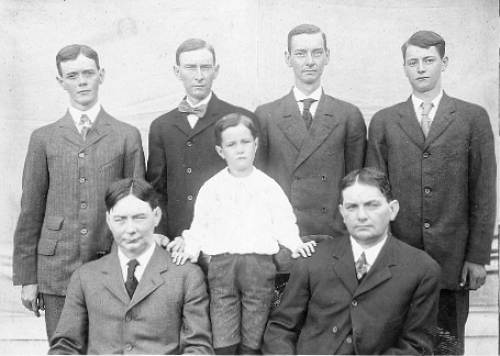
84,92
422,78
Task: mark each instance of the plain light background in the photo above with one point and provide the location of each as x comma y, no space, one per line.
136,41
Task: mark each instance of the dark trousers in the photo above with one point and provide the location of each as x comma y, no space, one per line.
53,307
452,316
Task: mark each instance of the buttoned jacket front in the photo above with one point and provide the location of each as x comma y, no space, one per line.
62,221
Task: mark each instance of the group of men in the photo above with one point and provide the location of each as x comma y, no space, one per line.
364,291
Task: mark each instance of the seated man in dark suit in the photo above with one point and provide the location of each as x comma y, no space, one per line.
134,300
367,293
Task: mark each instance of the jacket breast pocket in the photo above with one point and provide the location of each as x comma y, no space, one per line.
113,168
48,241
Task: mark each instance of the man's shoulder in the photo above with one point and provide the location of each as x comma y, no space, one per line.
413,257
225,107
118,124
339,103
272,105
466,107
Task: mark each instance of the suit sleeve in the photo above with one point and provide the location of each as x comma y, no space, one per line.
285,323
35,184
376,155
355,142
482,189
416,337
156,173
134,157
261,159
196,333
71,335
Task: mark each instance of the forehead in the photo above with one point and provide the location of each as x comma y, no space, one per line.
130,205
359,193
306,41
419,52
198,56
80,63
234,132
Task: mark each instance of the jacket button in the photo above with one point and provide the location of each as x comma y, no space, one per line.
323,178
82,180
189,197
354,303
426,154
128,317
83,205
324,210
188,170
84,231
427,190
81,154
189,143
128,347
348,340
335,329
427,225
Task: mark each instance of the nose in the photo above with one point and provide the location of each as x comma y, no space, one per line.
198,74
309,58
82,81
420,66
362,214
130,227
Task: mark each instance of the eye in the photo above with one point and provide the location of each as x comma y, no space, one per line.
429,60
317,53
71,76
411,63
299,54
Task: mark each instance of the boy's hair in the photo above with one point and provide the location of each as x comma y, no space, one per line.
305,28
137,187
230,120
367,176
193,44
71,52
425,39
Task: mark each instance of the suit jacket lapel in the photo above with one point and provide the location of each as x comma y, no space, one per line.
113,276
211,116
291,122
409,123
444,116
100,128
323,124
151,278
343,264
69,130
380,271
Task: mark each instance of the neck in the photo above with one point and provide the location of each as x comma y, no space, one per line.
240,174
307,89
365,244
193,100
83,107
428,96
131,254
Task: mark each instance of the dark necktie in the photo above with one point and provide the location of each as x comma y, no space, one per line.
85,126
361,267
426,120
306,113
131,282
198,111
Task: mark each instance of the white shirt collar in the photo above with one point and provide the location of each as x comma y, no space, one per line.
371,253
204,101
417,102
91,113
143,260
301,96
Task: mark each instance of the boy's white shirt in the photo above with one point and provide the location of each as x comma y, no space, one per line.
241,215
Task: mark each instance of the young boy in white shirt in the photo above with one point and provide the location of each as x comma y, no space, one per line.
240,216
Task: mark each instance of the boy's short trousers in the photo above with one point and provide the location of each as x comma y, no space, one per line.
241,290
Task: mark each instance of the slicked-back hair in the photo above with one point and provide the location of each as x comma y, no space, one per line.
425,39
367,176
307,29
193,44
137,187
231,120
71,52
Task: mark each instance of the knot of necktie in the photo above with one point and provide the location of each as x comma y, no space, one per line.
198,111
307,103
426,120
131,282
306,113
361,267
84,125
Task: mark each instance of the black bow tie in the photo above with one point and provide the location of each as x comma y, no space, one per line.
198,111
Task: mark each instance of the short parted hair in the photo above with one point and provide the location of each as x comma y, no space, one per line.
137,187
305,28
71,52
367,176
425,39
230,120
193,44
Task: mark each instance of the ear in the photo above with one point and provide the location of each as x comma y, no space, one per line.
394,207
327,56
157,215
445,63
61,82
176,69
288,58
216,71
342,211
256,143
218,149
102,74
108,218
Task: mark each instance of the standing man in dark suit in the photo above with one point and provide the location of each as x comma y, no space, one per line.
134,300
367,293
68,167
181,142
439,155
310,140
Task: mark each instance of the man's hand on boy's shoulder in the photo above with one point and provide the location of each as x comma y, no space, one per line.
176,245
304,250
